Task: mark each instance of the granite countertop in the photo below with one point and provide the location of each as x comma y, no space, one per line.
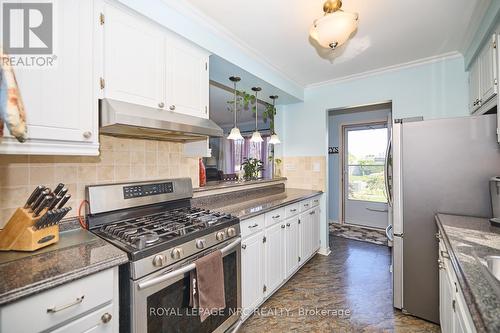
469,240
77,254
215,185
245,209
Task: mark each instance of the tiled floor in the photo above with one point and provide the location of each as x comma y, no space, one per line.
355,278
358,233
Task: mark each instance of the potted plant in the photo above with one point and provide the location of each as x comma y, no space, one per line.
251,168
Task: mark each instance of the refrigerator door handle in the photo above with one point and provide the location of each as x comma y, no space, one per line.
386,171
388,232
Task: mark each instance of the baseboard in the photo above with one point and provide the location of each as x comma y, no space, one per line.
324,251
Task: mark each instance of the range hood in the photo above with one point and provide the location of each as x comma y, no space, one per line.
123,119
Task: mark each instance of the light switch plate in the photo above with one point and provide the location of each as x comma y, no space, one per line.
316,167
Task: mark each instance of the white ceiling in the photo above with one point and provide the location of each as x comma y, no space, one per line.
390,32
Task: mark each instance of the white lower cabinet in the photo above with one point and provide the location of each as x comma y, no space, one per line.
454,314
274,246
252,272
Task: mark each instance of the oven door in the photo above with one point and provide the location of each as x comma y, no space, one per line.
160,302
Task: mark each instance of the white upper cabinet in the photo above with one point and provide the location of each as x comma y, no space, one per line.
148,65
483,78
187,78
61,101
133,59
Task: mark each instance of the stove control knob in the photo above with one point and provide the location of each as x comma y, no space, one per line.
176,253
231,232
159,260
200,243
220,236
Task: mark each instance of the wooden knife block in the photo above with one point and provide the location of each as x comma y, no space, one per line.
19,234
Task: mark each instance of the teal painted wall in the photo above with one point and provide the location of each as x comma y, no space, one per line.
433,90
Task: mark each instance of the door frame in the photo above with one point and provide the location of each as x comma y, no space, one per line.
343,127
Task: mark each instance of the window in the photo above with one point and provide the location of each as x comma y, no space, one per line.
365,160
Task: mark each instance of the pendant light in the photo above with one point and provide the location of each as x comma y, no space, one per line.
274,137
235,131
335,27
256,137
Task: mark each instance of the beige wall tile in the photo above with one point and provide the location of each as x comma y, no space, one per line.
14,174
105,173
42,175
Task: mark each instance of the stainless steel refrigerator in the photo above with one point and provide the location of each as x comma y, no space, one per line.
434,166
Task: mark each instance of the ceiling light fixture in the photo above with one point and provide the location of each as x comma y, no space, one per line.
274,140
335,28
256,137
235,133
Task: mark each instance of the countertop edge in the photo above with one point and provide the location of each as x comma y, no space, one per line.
237,184
33,289
462,281
283,204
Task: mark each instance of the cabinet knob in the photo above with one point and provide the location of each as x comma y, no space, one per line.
172,107
106,318
243,246
282,226
161,105
288,224
87,134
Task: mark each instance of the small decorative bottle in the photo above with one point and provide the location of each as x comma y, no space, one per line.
203,173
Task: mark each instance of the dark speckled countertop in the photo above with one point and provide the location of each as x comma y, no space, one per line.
77,254
252,206
469,240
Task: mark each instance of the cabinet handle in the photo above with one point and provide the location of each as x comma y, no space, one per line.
253,226
288,224
276,216
306,205
243,246
161,105
172,107
282,226
63,307
87,134
312,213
293,210
106,318
445,254
438,235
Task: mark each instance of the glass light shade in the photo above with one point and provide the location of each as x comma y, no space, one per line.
333,30
235,134
274,140
256,137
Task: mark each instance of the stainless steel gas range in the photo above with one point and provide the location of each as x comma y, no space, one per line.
163,236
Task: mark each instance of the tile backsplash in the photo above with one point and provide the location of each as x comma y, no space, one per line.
306,172
119,160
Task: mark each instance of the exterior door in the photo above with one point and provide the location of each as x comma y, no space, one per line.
365,197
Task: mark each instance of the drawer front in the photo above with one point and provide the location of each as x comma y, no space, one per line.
275,216
305,205
315,201
252,225
291,210
57,305
99,321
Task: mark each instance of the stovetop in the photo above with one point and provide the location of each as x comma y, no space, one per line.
149,234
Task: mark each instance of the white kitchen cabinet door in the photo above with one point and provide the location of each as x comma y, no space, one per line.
305,235
488,71
187,79
252,271
315,229
474,86
274,253
292,245
133,58
60,101
445,301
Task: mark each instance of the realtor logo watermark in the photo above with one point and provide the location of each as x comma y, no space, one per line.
28,34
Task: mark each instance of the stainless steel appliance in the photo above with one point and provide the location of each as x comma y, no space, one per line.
495,198
163,236
437,166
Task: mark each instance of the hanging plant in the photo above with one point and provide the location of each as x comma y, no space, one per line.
243,101
269,113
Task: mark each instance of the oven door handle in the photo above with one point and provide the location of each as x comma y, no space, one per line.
183,270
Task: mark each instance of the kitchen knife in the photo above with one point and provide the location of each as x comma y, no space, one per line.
58,188
40,198
45,202
41,221
62,213
63,192
50,216
34,195
54,202
64,201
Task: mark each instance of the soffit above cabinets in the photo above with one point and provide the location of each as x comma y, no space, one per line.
390,32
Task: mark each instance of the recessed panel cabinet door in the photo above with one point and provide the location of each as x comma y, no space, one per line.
292,245
274,248
488,71
315,229
252,271
474,86
133,59
187,78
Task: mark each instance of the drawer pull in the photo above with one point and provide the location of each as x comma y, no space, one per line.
282,226
288,224
63,307
445,254
106,318
312,213
276,216
253,226
306,205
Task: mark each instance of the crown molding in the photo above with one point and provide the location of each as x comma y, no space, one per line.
388,69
